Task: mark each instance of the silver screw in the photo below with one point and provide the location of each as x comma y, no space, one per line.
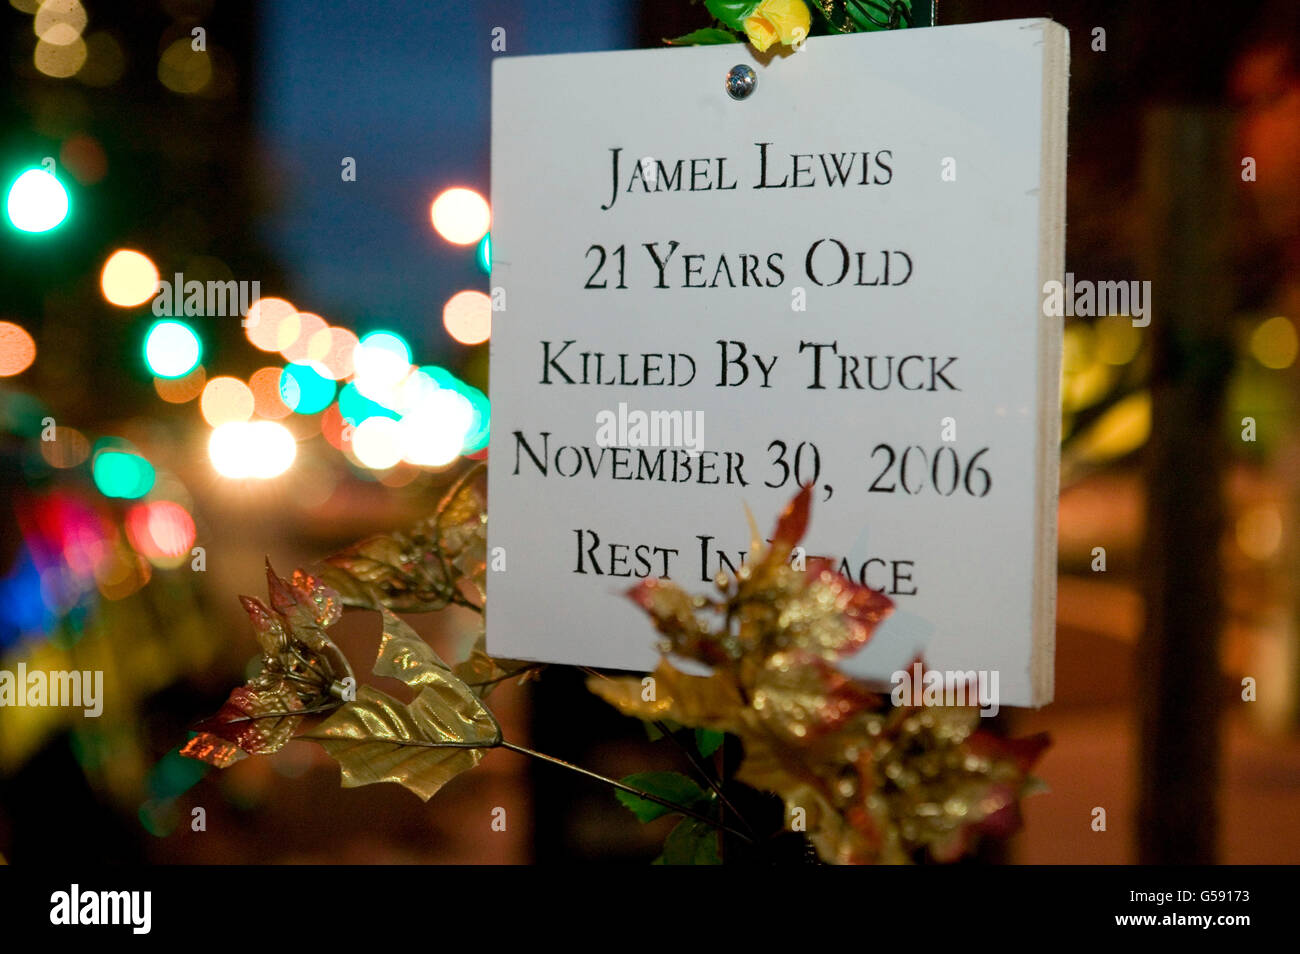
741,81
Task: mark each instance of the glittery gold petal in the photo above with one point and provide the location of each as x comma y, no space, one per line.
674,614
701,702
800,695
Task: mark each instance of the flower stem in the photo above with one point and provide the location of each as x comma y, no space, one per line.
690,757
639,793
510,675
704,774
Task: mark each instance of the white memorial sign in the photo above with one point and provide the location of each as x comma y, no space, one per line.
835,280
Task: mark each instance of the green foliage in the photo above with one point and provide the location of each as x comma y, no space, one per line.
673,786
690,843
708,36
709,741
733,13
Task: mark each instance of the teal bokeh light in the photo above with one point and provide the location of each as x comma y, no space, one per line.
36,202
172,349
122,474
304,390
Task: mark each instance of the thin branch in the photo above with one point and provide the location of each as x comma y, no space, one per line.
416,743
460,599
499,742
281,715
510,675
639,793
704,774
690,757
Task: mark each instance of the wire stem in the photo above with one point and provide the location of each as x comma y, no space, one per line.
704,774
639,793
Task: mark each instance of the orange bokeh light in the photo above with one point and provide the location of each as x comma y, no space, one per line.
461,216
330,352
467,316
226,399
17,349
336,431
263,321
129,278
181,390
267,402
296,336
68,449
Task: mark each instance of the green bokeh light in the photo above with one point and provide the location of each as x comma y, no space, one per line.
122,474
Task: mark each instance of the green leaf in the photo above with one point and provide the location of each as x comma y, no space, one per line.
733,13
709,741
674,786
708,36
834,17
691,843
873,15
654,734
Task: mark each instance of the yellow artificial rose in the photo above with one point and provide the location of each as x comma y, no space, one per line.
777,21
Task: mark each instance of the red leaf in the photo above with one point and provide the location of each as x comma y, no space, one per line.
266,625
226,737
304,599
862,608
672,610
283,598
1024,752
792,524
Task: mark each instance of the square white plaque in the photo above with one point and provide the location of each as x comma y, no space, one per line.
836,279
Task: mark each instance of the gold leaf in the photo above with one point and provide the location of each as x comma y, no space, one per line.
380,571
378,739
703,702
483,673
799,695
463,503
418,570
404,655
460,528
